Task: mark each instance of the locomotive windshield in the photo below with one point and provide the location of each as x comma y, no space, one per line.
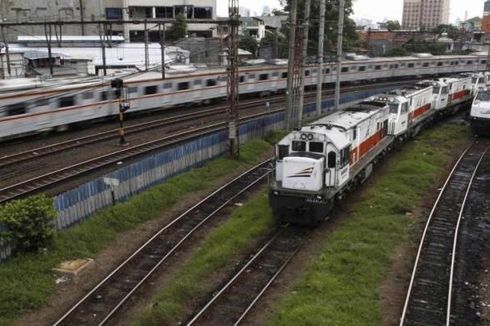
436,90
393,108
483,96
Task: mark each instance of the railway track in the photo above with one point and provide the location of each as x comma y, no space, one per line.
35,153
104,301
42,182
430,294
233,301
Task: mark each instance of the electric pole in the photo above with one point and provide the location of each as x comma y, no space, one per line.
321,37
48,33
290,117
161,30
304,54
7,54
147,57
339,52
233,80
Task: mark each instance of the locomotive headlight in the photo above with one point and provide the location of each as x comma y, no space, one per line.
319,197
304,137
310,137
276,193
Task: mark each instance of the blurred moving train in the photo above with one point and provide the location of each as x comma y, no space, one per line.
319,163
26,109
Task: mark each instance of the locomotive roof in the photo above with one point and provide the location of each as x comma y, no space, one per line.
350,117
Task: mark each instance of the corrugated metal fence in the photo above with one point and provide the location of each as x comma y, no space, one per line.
79,203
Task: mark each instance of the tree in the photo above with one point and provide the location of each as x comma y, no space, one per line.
351,38
29,222
249,43
178,29
282,43
392,25
451,30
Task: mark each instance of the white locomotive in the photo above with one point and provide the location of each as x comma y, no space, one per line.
320,162
480,113
51,105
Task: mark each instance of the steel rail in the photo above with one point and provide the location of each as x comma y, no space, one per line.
455,242
237,275
426,228
173,249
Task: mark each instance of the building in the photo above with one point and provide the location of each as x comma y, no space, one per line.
425,14
485,24
472,25
91,10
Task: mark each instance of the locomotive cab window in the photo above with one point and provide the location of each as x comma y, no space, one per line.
299,146
283,151
445,90
436,90
344,156
316,147
393,108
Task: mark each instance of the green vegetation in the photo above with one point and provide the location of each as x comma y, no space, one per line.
29,223
27,280
178,29
341,286
247,223
249,43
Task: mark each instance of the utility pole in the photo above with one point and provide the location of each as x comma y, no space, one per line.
102,46
48,33
82,23
161,30
233,80
122,96
292,40
321,37
339,52
147,58
304,54
7,53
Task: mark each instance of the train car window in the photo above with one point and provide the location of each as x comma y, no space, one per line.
362,68
419,64
283,151
284,75
132,90
470,62
42,102
66,101
403,64
426,64
332,160
385,66
344,156
316,147
326,71
377,67
16,109
299,146
87,95
242,79
483,62
411,65
314,71
263,76
197,82
251,76
345,69
151,89
104,95
354,133
307,72
211,82
182,86
275,74
440,63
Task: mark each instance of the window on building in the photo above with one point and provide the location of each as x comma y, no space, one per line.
114,13
185,11
164,12
203,12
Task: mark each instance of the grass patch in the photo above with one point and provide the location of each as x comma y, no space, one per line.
246,223
27,281
341,286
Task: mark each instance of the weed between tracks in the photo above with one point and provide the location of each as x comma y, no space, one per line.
27,281
217,251
341,286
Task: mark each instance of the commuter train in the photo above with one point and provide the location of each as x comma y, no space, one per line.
319,163
46,106
480,113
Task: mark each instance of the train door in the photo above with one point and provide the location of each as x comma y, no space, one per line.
331,169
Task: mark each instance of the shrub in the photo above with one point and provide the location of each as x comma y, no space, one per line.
29,222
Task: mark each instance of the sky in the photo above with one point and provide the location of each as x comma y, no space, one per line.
377,10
